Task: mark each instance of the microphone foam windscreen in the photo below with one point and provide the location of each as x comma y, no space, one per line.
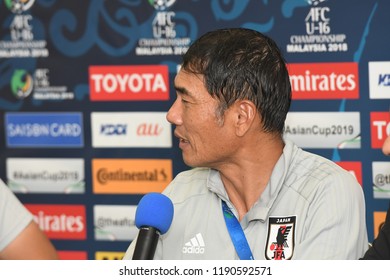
155,210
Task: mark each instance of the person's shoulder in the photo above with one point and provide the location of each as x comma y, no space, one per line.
310,173
187,184
316,166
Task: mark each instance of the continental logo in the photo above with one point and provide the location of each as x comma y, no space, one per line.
124,83
324,80
60,221
353,167
380,128
109,255
131,176
379,220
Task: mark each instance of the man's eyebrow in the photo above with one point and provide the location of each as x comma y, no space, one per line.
182,90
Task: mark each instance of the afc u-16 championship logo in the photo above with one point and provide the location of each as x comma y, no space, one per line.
281,238
317,35
165,40
18,6
21,41
37,84
161,4
21,83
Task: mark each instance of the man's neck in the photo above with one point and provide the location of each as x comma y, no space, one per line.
245,179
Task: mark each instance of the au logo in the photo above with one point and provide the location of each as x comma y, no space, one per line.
280,238
21,83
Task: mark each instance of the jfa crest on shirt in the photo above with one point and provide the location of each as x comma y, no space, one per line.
281,238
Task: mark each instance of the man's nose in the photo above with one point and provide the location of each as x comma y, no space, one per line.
174,114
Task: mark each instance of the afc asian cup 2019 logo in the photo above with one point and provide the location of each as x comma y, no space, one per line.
18,6
21,84
161,5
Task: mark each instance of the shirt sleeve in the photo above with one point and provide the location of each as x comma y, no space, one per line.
14,217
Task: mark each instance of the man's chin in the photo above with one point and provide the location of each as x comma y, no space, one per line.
190,163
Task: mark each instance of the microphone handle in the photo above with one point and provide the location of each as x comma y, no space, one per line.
146,243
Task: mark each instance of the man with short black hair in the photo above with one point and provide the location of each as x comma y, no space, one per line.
251,194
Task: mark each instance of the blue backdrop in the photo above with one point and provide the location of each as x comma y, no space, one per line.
47,48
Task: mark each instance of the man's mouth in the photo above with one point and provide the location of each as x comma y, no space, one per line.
181,139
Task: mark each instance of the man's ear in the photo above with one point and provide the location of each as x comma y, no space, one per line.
245,113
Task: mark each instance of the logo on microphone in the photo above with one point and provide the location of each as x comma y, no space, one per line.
280,238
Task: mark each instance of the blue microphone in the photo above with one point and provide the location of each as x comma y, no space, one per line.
153,217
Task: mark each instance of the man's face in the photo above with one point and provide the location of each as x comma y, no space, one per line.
205,139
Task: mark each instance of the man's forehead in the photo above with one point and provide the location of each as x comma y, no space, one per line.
186,80
184,74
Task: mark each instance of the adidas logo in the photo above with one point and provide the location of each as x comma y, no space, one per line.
195,245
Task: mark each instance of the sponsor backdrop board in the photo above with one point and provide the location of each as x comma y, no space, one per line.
85,86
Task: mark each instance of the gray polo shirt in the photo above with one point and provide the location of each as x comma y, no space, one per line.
318,206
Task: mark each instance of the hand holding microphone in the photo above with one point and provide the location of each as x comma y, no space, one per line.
153,217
